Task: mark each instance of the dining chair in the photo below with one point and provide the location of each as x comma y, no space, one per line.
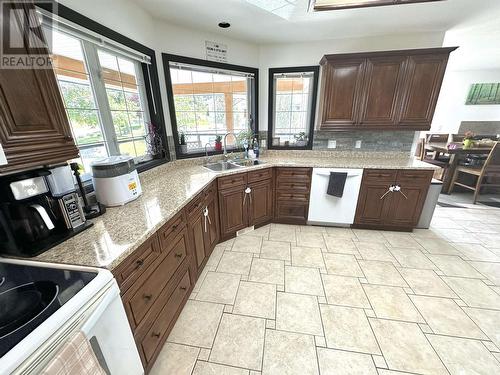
443,164
437,138
490,168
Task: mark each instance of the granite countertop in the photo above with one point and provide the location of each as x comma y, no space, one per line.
168,188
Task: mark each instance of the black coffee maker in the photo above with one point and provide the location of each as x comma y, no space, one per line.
32,220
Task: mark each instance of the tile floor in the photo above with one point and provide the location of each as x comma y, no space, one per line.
286,299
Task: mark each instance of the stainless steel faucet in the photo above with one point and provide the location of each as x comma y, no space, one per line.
225,145
206,152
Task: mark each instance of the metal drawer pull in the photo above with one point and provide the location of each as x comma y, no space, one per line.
178,255
390,190
155,334
398,189
147,297
139,263
182,288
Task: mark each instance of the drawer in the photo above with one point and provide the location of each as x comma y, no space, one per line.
133,267
414,177
142,299
232,181
262,174
292,196
380,175
295,174
194,207
170,230
155,335
291,212
211,190
297,186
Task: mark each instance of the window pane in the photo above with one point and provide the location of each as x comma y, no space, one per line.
292,112
85,125
76,94
90,154
133,100
121,124
208,104
116,98
137,124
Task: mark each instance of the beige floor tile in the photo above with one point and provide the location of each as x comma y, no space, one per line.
437,246
375,251
488,321
200,280
305,239
232,262
454,266
175,359
239,342
286,234
459,235
307,257
207,368
287,353
426,282
335,362
303,280
342,265
267,271
262,232
399,239
445,317
190,329
474,292
405,347
347,328
490,240
298,313
369,235
379,361
245,244
412,258
219,288
392,303
340,245
490,270
311,229
390,372
463,356
275,250
215,257
336,232
383,273
477,252
256,299
345,291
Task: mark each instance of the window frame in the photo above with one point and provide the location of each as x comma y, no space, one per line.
271,101
150,74
168,58
362,4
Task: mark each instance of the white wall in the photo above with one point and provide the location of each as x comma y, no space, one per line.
451,109
310,53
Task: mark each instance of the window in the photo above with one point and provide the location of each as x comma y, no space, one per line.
292,105
344,4
108,90
207,100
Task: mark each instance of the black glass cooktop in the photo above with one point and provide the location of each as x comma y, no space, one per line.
29,295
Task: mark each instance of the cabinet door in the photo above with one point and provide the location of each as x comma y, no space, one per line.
34,128
233,209
406,205
423,82
382,91
342,85
211,224
197,238
372,208
261,205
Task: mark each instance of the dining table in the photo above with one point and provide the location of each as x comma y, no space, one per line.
457,153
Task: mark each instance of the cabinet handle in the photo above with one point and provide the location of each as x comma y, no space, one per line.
178,255
244,199
182,288
390,190
139,263
147,297
397,188
174,227
155,334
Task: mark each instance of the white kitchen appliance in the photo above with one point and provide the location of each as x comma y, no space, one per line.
325,209
116,181
86,300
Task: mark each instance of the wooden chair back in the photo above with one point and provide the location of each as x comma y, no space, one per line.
437,138
457,137
492,163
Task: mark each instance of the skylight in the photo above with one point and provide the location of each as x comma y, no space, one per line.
345,4
280,8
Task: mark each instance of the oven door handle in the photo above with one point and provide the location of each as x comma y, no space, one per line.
100,306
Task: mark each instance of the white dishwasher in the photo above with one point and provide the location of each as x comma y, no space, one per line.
325,209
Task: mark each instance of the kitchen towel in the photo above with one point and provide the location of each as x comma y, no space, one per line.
75,357
336,184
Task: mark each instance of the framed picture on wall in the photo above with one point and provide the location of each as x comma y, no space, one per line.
484,93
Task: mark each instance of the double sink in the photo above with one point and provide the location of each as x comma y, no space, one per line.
231,164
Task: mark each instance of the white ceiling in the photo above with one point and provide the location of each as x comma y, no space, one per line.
283,21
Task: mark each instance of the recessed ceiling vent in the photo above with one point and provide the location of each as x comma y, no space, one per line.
224,25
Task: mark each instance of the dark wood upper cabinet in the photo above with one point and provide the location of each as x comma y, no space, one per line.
382,90
342,93
34,127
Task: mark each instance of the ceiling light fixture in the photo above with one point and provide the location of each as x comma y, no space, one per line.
224,25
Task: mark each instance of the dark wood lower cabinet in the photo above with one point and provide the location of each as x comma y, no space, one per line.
380,208
261,202
233,208
291,196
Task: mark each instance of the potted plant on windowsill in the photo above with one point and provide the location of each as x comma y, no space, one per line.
218,143
300,139
468,140
182,143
